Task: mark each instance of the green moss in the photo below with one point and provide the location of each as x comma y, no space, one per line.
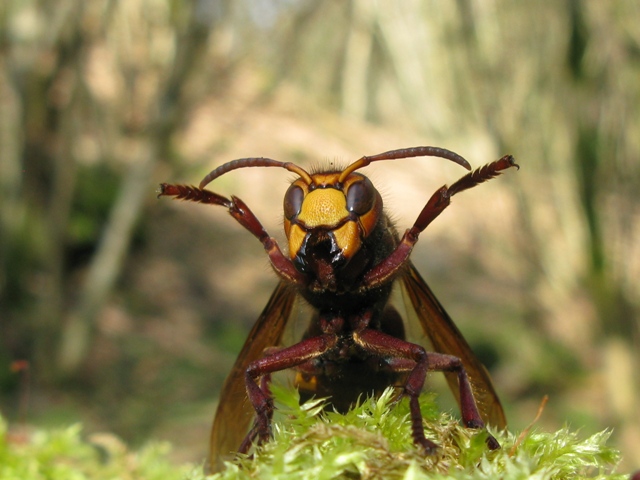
374,441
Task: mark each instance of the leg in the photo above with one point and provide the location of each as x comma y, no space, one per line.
245,217
280,360
440,200
471,418
382,344
265,381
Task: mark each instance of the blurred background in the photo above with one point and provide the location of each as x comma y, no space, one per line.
126,312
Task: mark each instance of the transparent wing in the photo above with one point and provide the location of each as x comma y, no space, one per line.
235,412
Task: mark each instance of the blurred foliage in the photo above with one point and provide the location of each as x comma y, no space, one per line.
65,454
130,311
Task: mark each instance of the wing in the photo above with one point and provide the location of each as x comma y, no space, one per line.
446,338
235,412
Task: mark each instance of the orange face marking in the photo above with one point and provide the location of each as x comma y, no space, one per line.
295,235
324,206
348,238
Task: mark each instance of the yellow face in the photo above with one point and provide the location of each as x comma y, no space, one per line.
347,212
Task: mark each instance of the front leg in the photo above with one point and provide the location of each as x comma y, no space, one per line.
245,217
390,266
282,265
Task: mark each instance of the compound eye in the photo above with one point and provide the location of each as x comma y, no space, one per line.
293,201
361,196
